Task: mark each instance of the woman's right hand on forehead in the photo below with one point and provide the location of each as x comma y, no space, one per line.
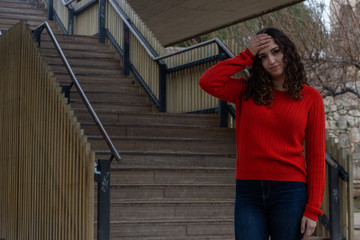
258,42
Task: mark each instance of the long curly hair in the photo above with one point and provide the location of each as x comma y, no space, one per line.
259,85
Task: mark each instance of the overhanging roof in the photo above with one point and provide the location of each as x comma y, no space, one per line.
173,21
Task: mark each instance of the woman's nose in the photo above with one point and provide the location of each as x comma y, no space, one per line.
271,59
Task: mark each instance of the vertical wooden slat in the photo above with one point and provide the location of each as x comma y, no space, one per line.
350,199
326,192
343,195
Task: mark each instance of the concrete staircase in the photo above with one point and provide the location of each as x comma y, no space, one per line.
176,180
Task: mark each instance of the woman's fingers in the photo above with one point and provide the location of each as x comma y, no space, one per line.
303,223
263,40
308,226
258,42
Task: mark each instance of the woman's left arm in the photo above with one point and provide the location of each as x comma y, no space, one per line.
315,156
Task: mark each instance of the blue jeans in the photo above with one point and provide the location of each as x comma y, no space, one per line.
264,208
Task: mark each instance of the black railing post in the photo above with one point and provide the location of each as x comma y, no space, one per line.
126,58
224,113
334,202
102,176
223,106
162,86
37,34
50,10
101,21
66,89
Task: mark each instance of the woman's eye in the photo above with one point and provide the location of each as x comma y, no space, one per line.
276,51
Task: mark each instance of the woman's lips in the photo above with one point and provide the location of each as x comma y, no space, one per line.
274,67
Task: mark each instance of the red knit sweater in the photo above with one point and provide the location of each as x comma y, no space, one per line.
270,140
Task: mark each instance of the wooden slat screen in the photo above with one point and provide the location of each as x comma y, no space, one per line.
46,166
346,192
61,11
146,67
86,23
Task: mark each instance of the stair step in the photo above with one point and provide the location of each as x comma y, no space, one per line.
127,95
139,159
26,11
123,106
172,210
160,130
172,191
183,145
92,83
116,88
109,80
76,39
113,116
12,21
87,70
77,46
19,4
85,62
6,26
169,175
164,229
72,53
22,17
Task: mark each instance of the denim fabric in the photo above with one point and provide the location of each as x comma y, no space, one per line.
264,208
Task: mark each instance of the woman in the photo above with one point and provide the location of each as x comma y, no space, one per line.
278,191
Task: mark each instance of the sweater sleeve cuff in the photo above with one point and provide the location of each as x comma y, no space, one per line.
312,212
247,52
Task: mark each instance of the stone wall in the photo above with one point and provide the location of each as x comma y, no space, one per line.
343,122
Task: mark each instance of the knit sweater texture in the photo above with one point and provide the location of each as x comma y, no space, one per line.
270,141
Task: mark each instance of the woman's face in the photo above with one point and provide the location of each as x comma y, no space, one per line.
271,59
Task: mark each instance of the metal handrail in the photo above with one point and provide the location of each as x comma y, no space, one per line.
208,42
93,114
334,164
67,3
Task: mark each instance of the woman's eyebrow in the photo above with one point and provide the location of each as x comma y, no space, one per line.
274,48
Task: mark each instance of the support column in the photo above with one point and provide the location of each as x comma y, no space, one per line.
334,203
70,21
102,21
223,106
162,87
103,179
126,58
50,10
224,113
